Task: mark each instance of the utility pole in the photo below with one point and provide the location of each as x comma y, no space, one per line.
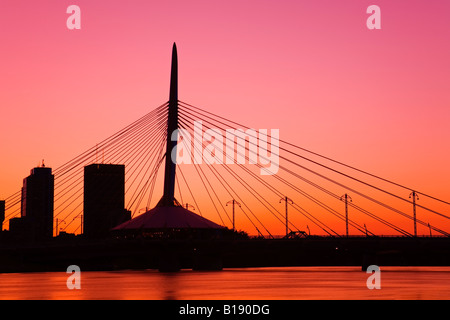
414,195
233,202
187,206
346,197
58,220
81,217
287,221
56,231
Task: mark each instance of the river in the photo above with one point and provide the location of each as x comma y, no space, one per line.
287,283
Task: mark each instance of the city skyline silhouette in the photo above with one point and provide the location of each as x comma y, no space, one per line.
135,136
362,104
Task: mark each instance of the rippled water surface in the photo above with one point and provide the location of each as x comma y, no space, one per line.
253,283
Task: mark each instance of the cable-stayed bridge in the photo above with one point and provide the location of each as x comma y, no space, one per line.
242,178
299,207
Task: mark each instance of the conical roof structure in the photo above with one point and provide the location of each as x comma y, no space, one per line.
168,217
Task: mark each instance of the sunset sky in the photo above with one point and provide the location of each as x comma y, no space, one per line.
378,100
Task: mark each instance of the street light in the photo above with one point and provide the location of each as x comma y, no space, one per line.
233,202
287,202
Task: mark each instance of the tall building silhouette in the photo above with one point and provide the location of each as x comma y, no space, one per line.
37,203
104,199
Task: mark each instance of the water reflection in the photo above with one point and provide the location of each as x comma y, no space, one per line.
169,284
254,283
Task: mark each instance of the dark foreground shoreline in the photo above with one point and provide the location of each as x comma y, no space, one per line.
173,255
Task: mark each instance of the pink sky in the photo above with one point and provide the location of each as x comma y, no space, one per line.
375,99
